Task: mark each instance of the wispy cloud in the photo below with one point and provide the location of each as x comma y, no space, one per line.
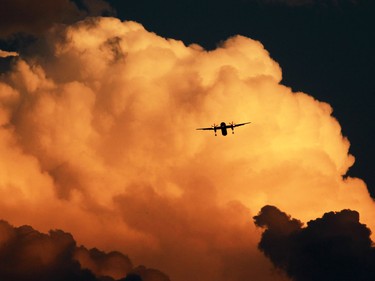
4,54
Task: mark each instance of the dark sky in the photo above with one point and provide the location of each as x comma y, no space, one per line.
324,47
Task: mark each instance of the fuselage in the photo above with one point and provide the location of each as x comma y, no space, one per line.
223,128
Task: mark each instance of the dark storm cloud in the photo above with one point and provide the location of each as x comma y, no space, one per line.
142,273
34,17
28,255
334,247
96,7
113,264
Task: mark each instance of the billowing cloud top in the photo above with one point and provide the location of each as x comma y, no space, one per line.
98,138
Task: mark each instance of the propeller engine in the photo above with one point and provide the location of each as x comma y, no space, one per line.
215,127
232,125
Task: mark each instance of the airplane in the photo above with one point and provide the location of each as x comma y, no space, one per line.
223,127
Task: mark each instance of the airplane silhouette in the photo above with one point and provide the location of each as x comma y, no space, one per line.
223,127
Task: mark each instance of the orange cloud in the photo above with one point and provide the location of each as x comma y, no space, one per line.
4,54
100,140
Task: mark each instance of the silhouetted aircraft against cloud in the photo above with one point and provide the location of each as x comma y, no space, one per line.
223,127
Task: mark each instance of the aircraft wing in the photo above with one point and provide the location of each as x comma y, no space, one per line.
241,124
211,128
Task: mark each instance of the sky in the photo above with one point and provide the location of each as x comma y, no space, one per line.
103,175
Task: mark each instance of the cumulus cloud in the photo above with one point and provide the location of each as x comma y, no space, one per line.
100,132
334,247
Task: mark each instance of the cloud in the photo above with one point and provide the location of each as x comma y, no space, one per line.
97,7
4,54
27,254
336,246
21,16
141,273
113,264
99,130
